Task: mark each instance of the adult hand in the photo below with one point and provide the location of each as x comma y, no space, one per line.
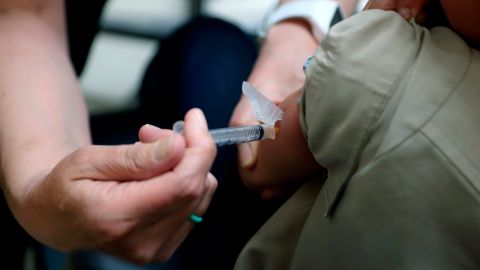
277,73
133,201
408,9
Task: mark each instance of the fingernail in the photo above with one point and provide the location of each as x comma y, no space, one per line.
200,118
405,12
245,155
161,149
151,127
248,154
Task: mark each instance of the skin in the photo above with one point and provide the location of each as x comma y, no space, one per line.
464,19
132,201
278,73
408,9
285,161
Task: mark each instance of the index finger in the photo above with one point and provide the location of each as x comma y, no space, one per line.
187,183
201,150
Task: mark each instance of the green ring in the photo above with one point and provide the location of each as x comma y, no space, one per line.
195,219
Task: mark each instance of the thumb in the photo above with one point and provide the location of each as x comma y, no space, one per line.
247,154
242,114
127,162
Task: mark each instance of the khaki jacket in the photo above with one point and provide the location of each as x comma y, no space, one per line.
392,110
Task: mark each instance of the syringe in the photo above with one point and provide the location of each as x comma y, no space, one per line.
264,111
235,135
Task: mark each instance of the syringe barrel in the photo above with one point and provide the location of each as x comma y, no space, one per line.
236,135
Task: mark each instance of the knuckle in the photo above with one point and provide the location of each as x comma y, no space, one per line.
149,252
163,255
133,255
81,155
189,188
111,235
114,234
133,159
213,183
192,191
141,257
139,254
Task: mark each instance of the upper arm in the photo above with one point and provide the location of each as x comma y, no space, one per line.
350,80
285,159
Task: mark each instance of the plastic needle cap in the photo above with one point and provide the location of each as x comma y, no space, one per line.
264,110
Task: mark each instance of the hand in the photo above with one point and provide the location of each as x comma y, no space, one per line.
132,201
408,9
282,164
277,73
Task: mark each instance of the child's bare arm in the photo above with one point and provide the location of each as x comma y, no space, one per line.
284,161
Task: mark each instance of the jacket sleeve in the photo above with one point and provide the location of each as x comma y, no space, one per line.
350,80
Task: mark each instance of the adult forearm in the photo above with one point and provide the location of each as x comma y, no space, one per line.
42,113
287,44
348,6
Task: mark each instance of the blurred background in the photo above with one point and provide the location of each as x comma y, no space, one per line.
128,40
